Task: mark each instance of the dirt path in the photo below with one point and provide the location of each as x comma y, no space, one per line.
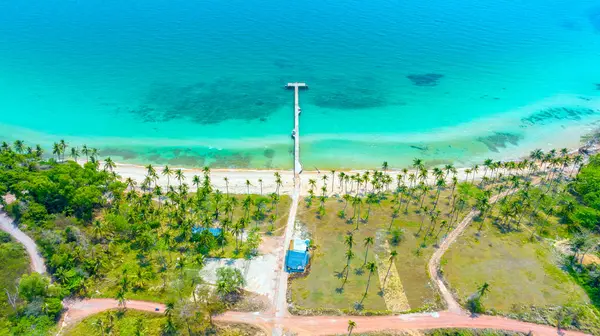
37,262
77,310
434,262
281,280
329,325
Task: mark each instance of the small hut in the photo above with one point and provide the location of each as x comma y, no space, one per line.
297,257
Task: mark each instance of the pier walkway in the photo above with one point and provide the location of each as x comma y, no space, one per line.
280,304
296,131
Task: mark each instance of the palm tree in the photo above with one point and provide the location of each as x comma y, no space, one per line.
63,148
372,267
385,166
56,150
278,181
577,162
248,184
371,199
417,164
179,176
475,169
391,259
226,185
150,171
168,173
109,164
483,289
349,256
312,183
349,240
74,153
356,202
120,296
440,184
169,308
351,326
39,151
85,151
19,146
368,241
260,182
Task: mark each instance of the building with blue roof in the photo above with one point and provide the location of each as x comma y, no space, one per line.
295,261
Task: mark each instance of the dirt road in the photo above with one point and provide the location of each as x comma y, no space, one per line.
37,262
329,325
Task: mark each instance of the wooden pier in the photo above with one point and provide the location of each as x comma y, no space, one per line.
296,131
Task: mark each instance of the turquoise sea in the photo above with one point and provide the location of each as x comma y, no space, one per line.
194,83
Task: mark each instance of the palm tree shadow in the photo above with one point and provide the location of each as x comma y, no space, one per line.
359,271
380,292
339,290
339,274
358,306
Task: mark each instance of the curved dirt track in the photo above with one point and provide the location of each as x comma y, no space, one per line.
37,262
434,263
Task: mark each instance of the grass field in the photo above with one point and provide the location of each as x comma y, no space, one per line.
519,271
320,288
14,262
149,324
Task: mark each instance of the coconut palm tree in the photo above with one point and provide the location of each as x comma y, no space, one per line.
371,199
391,259
312,183
260,183
349,256
168,173
440,184
372,267
179,176
577,162
74,153
368,241
351,326
248,184
56,150
63,148
19,146
39,151
356,202
278,182
85,151
120,296
109,164
417,164
483,289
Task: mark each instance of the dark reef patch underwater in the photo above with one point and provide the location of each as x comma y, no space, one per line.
430,79
549,115
349,93
211,103
500,140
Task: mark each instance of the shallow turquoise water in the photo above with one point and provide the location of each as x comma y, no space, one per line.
201,82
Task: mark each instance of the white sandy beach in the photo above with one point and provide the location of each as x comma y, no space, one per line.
237,178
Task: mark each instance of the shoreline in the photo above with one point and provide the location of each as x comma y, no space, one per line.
237,178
